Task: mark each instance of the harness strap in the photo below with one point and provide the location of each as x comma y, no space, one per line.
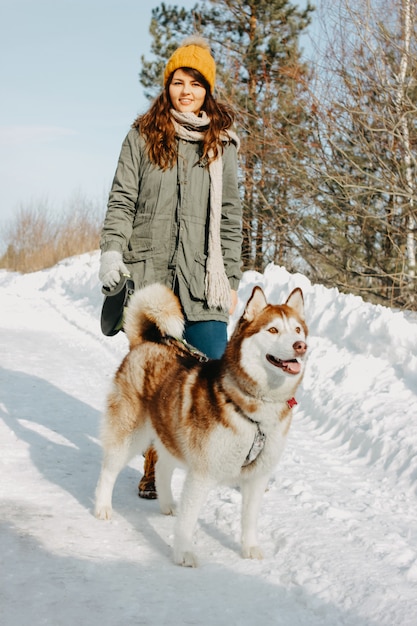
260,437
257,446
186,348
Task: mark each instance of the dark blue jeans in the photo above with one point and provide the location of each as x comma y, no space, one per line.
209,337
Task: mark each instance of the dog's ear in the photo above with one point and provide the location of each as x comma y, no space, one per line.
255,304
296,301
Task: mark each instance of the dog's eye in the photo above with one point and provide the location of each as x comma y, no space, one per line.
298,330
273,330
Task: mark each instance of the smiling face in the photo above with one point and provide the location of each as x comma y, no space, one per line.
187,94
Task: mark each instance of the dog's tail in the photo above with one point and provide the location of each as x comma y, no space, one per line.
153,311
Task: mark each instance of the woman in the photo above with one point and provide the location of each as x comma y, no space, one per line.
174,212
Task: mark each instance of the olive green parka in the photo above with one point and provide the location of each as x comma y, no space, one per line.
159,221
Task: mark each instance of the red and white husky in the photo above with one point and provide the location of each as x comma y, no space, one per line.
225,421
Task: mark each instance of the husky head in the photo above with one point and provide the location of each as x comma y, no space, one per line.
272,341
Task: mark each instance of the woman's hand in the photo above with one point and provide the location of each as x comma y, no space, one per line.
111,268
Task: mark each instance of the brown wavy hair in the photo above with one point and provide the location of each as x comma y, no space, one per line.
158,130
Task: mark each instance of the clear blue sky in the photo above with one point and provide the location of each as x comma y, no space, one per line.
69,92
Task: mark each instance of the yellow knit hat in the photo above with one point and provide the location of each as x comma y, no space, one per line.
195,53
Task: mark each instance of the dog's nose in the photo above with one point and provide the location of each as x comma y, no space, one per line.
300,347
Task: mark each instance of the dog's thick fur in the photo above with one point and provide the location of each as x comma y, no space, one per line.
204,416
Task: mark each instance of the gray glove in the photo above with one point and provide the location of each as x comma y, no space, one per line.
111,268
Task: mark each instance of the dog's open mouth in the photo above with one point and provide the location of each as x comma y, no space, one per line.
292,366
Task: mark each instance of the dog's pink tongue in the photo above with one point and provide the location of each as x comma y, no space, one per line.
292,366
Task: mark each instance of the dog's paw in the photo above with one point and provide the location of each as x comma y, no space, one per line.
252,552
186,559
103,511
168,508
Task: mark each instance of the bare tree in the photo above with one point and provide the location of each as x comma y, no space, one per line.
361,232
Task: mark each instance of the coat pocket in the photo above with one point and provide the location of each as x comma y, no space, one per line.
198,274
141,266
138,253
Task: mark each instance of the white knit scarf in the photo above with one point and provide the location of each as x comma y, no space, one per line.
189,126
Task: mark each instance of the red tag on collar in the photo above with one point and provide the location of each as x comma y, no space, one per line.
292,402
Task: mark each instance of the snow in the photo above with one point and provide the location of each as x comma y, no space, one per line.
339,521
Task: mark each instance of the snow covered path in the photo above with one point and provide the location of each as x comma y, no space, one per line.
339,521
